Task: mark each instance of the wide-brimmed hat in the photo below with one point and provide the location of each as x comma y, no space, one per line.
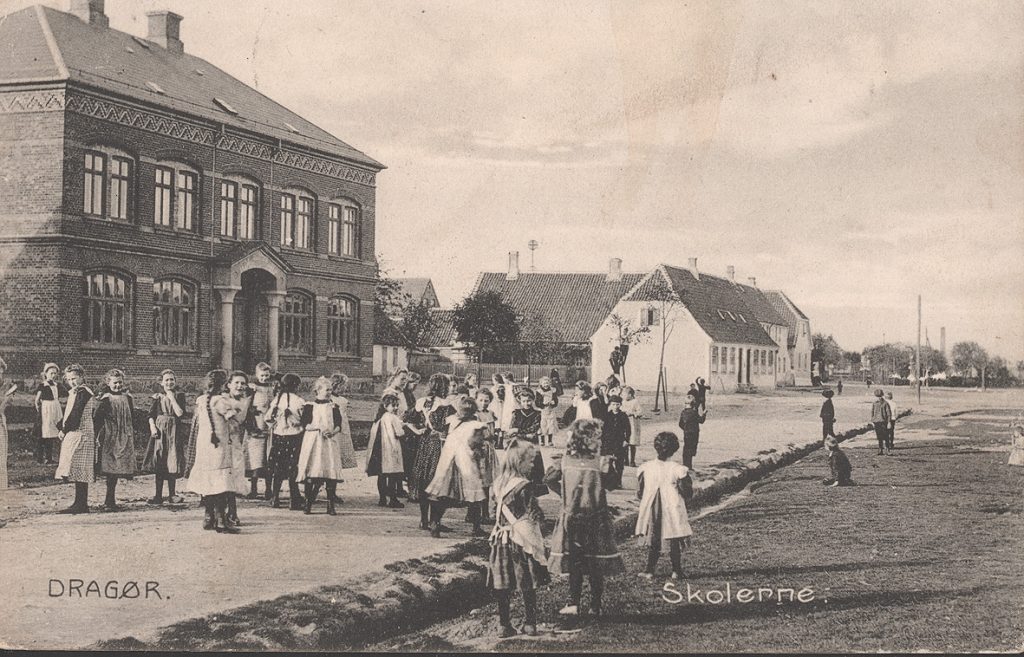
827,393
878,392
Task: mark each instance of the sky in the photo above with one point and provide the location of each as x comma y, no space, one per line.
856,155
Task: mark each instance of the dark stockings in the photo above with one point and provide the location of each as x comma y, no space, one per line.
632,455
81,496
505,607
674,553
111,487
596,589
424,511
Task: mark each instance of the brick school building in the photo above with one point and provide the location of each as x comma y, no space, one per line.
156,212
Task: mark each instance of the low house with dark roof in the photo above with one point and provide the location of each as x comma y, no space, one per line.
390,347
160,213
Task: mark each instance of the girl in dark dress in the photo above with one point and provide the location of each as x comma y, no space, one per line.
165,453
114,420
428,452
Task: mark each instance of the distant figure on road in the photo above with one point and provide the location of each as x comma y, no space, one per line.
702,393
892,421
839,387
881,414
827,415
689,421
1017,447
838,463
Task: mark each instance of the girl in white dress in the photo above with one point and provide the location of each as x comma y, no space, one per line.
320,457
457,480
663,487
631,407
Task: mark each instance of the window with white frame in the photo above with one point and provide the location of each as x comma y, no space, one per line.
174,313
248,209
228,207
304,223
714,360
342,325
107,183
649,316
106,308
174,197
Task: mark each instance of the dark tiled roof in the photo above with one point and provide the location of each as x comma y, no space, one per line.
563,307
116,62
788,311
758,302
385,332
442,329
710,300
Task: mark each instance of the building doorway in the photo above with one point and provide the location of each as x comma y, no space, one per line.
251,320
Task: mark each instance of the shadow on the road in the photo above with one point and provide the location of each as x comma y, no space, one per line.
813,568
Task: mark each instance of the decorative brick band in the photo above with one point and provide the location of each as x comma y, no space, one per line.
52,100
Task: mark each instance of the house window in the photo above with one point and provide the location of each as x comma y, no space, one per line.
342,326
297,323
107,187
106,304
163,191
287,220
95,170
247,209
714,360
394,357
649,316
349,232
174,313
334,229
120,179
185,200
303,222
771,361
228,207
732,360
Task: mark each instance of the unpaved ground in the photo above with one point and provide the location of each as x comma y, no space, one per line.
923,554
280,551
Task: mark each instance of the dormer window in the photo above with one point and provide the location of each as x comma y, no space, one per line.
155,87
224,105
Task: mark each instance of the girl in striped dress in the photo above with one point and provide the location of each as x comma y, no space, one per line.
436,412
165,453
47,404
517,546
77,462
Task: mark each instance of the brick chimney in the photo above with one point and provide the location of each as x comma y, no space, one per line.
730,271
513,266
614,270
752,281
693,268
165,30
90,11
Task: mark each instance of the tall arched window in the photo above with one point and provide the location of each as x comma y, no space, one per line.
343,325
174,313
106,308
107,183
296,329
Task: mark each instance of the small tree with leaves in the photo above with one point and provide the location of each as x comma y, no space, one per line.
627,334
968,356
416,322
483,319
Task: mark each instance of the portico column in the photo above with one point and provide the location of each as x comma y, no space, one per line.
274,301
227,323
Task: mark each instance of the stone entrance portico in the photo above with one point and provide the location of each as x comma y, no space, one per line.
255,273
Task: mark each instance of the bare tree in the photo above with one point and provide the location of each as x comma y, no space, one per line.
627,334
664,309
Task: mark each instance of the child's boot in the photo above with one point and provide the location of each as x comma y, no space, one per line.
331,496
252,489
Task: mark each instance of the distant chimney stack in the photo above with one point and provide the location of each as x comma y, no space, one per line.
753,281
165,30
731,273
614,270
693,268
90,11
513,266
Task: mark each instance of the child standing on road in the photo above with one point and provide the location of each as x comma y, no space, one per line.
838,463
457,479
339,384
320,458
6,391
631,407
47,404
517,545
256,437
582,543
165,453
283,417
827,415
114,420
663,487
78,443
384,453
892,423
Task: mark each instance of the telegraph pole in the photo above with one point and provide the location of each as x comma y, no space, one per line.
918,355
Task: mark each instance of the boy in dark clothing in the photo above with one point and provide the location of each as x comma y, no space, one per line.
881,416
828,416
615,441
689,421
838,464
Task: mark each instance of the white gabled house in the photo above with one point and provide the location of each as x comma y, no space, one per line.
728,333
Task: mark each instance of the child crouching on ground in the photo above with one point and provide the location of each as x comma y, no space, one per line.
517,545
838,464
663,487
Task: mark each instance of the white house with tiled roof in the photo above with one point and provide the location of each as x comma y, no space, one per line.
716,329
796,366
